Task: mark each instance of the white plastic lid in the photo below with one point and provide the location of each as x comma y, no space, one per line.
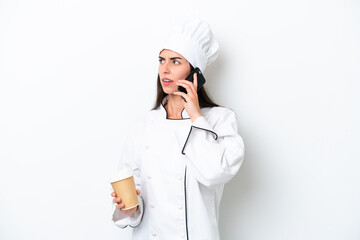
121,174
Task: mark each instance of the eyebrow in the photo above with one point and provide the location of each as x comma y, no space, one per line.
173,58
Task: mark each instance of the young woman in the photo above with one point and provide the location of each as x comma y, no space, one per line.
184,150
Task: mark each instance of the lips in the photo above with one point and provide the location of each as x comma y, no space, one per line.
166,81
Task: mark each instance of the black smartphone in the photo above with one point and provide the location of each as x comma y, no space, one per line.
200,80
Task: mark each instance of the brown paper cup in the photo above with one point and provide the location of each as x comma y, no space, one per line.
124,186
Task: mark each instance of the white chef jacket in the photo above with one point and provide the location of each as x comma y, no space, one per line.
180,168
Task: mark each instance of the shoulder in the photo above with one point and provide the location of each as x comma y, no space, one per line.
219,117
217,112
146,118
138,123
153,113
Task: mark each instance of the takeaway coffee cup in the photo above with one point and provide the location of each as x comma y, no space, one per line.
124,186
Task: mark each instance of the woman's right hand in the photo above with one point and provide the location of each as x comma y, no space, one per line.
120,205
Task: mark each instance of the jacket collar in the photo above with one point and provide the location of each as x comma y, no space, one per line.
184,114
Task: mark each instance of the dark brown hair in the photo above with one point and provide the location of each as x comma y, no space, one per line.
203,96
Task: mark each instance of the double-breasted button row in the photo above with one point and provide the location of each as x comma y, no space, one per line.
182,236
179,177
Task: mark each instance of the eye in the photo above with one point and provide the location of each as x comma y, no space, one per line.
161,60
176,62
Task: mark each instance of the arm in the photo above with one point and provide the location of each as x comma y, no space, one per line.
129,159
214,153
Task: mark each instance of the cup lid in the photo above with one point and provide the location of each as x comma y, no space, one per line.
121,174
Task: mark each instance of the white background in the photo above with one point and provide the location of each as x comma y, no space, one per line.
74,73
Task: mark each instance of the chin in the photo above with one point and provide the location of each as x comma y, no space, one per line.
168,90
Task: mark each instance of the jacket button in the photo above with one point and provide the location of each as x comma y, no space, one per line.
180,206
183,236
154,234
152,206
180,177
147,147
149,177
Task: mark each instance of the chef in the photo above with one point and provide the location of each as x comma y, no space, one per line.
184,150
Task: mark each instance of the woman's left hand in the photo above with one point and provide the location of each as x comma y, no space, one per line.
191,103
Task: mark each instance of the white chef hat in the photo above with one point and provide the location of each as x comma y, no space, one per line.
193,39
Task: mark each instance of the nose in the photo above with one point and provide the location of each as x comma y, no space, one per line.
164,68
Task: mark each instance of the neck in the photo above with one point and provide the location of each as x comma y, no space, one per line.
174,106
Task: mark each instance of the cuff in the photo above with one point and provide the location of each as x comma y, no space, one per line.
123,220
200,129
201,123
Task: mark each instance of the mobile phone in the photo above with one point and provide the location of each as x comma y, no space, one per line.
200,80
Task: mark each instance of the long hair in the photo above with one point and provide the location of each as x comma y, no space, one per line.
203,96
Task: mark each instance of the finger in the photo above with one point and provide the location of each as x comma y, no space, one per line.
117,200
120,205
195,81
189,86
113,194
184,95
188,83
137,191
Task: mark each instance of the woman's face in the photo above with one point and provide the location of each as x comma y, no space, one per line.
172,67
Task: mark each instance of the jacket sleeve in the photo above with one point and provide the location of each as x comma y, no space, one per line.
123,220
214,151
129,159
